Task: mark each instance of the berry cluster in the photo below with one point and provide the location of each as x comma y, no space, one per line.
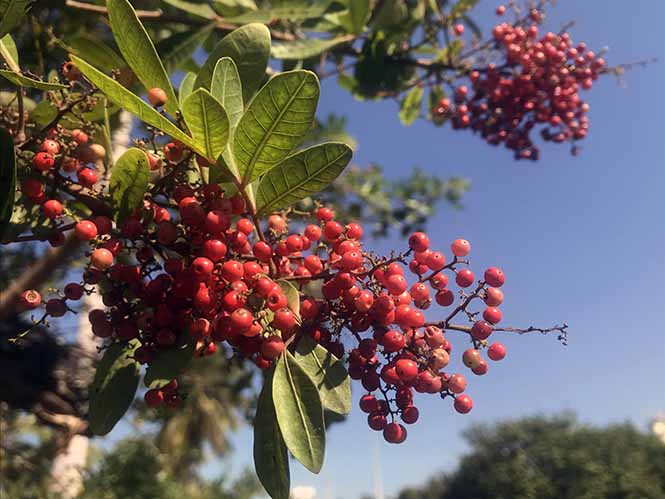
192,267
537,81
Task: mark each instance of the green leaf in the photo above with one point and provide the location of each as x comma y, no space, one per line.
168,364
12,13
229,8
289,11
7,178
44,113
299,412
9,53
410,108
129,182
292,297
138,50
271,459
186,87
24,81
119,95
275,122
94,51
207,121
226,87
302,175
306,47
355,17
391,13
460,8
249,47
450,52
328,374
114,387
178,48
201,10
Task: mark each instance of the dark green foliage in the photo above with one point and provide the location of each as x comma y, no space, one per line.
553,458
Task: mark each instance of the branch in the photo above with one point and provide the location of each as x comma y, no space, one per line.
562,330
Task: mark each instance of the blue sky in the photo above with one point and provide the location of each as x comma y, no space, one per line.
581,240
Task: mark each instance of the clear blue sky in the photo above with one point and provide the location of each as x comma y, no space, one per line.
581,240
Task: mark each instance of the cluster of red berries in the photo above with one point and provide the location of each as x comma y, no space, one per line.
192,268
537,82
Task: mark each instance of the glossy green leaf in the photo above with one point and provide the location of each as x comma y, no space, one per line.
129,182
119,95
167,365
201,10
292,297
178,48
114,387
355,17
327,372
306,47
9,52
186,87
249,47
7,178
23,81
392,13
93,50
299,412
271,458
302,175
410,108
207,121
287,10
12,13
226,87
275,122
230,8
138,50
44,113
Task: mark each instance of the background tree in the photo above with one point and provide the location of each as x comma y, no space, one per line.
553,458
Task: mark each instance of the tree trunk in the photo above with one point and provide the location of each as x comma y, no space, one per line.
68,464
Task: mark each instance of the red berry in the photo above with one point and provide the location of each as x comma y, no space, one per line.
30,299
50,146
73,291
313,232
494,277
460,247
436,261
394,433
481,330
481,368
410,414
154,398
464,278
463,404
496,351
43,161
325,214
202,268
284,320
418,241
393,341
332,230
458,29
214,249
52,209
354,231
457,383
157,97
368,404
104,225
85,230
32,188
241,320
272,347
500,10
87,177
406,369
471,358
492,315
396,284
493,297
56,307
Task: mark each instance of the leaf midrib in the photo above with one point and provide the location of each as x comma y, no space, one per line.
301,183
252,163
310,446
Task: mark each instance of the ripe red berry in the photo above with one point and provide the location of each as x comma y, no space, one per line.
73,291
32,187
464,278
457,383
481,330
202,268
79,136
85,230
87,177
481,368
354,231
56,307
332,230
460,247
463,404
30,299
494,277
492,315
241,320
458,29
393,341
396,284
272,347
50,146
493,297
394,433
418,241
214,249
410,414
284,320
406,369
368,404
313,232
436,261
52,209
500,10
157,97
496,351
104,225
43,161
325,214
